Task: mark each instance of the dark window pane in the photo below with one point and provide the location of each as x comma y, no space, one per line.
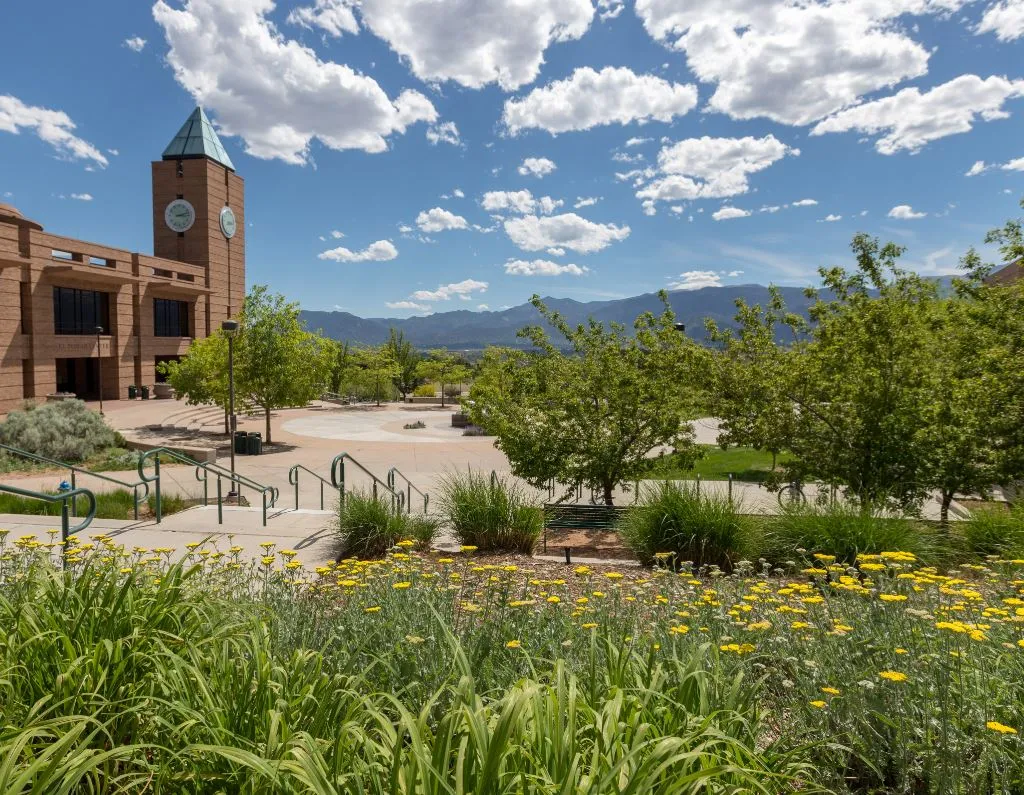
170,318
80,311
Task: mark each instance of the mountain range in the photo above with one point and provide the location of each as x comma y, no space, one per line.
467,330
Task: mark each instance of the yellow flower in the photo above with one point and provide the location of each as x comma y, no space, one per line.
406,543
1002,728
513,644
892,597
680,629
267,544
467,548
893,676
293,564
268,560
738,648
582,569
900,651
288,553
1021,643
819,704
799,625
414,639
554,600
446,560
590,625
400,586
825,558
832,691
374,609
613,575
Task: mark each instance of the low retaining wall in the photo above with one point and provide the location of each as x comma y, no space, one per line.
203,455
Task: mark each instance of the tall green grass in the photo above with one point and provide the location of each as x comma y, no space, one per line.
995,532
109,505
700,528
845,530
489,512
368,526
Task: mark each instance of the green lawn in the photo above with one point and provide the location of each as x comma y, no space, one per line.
744,463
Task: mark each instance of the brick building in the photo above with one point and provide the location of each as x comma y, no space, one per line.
55,291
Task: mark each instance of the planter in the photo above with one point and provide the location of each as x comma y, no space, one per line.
460,420
163,391
56,397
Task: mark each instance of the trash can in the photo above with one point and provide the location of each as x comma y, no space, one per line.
240,443
254,444
133,391
145,392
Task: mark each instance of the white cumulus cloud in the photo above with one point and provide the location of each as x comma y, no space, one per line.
695,280
805,203
586,201
589,98
831,218
51,126
444,133
542,267
82,197
909,119
438,219
463,290
408,305
135,43
569,231
537,166
727,212
476,42
792,61
380,251
332,16
1005,19
905,212
273,92
711,168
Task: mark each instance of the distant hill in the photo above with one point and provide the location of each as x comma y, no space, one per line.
465,330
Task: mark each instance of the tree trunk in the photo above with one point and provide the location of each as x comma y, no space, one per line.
947,499
227,424
442,394
266,414
773,460
608,489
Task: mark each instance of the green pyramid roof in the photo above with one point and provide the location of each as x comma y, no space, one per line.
197,138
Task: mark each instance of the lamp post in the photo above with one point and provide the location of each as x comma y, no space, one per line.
229,327
680,327
99,365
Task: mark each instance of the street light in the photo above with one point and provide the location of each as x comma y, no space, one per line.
229,327
680,327
99,365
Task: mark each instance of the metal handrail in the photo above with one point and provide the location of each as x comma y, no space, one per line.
338,465
76,469
205,468
409,489
63,499
293,479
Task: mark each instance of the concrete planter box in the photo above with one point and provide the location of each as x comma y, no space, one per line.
57,397
163,391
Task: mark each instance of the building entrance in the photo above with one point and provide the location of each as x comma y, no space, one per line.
80,376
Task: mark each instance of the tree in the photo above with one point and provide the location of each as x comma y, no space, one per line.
445,368
201,377
408,360
379,368
590,417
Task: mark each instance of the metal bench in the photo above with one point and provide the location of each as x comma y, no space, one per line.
577,516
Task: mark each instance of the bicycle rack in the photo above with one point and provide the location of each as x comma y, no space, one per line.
75,470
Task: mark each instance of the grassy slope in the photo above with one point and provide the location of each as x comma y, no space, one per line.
744,463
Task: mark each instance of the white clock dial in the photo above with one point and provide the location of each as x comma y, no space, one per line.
180,215
228,224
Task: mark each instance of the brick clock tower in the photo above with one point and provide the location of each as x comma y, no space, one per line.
199,217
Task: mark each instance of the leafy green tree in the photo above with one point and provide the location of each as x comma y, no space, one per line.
201,377
408,359
379,369
592,416
444,367
342,367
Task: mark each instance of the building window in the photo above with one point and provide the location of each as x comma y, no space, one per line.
170,318
80,311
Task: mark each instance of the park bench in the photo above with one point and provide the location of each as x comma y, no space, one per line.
580,516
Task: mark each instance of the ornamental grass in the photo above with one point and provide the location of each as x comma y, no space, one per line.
126,672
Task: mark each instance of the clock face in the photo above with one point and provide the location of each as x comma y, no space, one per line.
228,224
180,215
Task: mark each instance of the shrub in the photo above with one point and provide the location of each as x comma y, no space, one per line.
66,430
700,528
368,525
453,391
489,512
415,426
425,390
995,532
845,530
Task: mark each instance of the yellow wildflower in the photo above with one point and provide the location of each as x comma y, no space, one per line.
401,586
893,676
1002,728
819,704
513,644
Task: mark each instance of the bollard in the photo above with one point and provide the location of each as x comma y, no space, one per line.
568,556
730,487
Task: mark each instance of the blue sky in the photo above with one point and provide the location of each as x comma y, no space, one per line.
686,133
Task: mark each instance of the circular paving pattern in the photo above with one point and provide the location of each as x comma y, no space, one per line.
377,425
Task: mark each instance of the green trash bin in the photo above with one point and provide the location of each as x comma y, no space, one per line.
145,392
254,443
133,391
241,447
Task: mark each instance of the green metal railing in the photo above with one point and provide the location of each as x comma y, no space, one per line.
338,480
293,479
394,473
63,498
138,498
269,494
